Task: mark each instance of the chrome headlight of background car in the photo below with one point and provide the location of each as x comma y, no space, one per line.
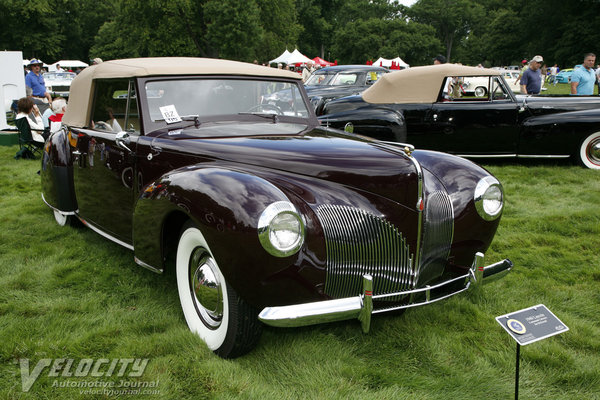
281,229
489,199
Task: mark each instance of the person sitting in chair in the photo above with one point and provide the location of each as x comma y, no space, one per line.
25,107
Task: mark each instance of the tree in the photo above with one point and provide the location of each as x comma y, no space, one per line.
453,19
376,38
280,28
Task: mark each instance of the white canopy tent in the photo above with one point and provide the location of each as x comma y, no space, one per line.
384,62
69,64
282,58
295,57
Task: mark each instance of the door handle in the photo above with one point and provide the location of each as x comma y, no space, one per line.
123,140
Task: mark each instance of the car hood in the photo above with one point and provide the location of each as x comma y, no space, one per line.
321,153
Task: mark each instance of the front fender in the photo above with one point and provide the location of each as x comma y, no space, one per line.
379,123
57,173
226,205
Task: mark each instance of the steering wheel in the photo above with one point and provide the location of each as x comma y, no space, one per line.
266,106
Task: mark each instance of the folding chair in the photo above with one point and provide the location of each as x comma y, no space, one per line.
28,148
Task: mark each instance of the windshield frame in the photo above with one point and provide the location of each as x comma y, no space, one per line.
151,125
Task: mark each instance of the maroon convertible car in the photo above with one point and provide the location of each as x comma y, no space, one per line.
271,217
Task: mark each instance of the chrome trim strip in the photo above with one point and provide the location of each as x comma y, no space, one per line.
147,266
106,235
512,156
56,209
487,155
543,156
419,206
357,307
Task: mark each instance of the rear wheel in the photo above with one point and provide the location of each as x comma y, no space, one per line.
480,91
589,151
211,307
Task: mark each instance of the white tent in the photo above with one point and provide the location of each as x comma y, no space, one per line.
68,64
384,62
282,58
297,57
294,57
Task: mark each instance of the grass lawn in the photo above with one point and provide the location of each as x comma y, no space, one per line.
68,293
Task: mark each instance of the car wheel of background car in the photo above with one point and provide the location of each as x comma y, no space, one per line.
480,91
211,307
589,152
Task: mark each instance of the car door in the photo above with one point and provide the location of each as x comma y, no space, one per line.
104,160
475,125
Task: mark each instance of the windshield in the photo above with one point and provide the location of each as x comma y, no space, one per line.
59,76
171,100
319,78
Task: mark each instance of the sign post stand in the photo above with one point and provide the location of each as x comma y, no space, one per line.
530,325
517,372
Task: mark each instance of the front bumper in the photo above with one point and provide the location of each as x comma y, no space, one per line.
361,307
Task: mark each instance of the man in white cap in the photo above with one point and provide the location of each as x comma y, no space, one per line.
531,82
35,81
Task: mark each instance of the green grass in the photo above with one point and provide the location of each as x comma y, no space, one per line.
561,88
69,293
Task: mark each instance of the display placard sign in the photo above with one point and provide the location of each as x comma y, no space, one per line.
532,324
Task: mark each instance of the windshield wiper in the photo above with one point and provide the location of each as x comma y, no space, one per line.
271,116
184,118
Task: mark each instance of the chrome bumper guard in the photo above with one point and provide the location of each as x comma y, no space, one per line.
361,307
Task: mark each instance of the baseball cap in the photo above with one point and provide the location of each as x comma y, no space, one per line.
537,59
35,61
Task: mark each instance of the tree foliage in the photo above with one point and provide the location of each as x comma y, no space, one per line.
492,32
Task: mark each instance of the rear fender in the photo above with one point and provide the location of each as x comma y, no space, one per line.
557,134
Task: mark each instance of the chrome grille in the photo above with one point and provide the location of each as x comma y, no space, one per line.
438,230
359,243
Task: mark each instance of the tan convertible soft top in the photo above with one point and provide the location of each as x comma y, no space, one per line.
80,96
418,84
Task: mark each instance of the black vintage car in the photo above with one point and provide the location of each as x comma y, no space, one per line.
329,83
271,218
430,108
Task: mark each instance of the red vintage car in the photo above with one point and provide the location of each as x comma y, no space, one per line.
271,218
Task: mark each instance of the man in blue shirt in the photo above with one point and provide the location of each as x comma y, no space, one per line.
531,81
584,78
35,81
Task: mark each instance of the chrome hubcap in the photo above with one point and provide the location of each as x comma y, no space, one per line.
593,152
206,288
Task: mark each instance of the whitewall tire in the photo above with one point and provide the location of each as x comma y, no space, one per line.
212,309
589,151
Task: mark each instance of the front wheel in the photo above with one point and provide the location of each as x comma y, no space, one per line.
211,307
589,151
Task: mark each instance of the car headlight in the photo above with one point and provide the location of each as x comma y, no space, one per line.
281,229
489,199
